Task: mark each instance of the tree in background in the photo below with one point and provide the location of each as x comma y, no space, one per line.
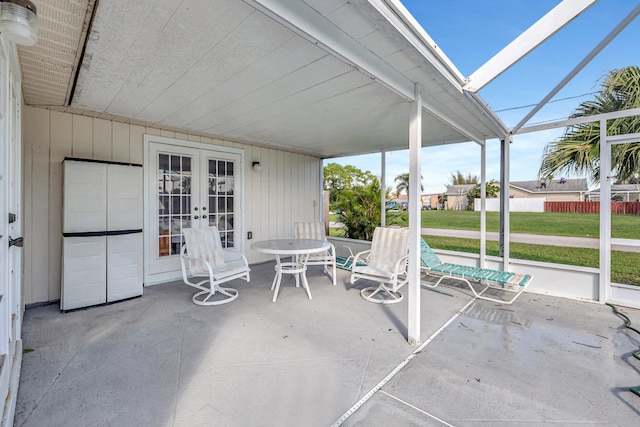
355,197
338,178
359,209
578,151
459,179
474,193
402,181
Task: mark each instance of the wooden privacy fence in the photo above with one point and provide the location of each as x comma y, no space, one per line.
620,208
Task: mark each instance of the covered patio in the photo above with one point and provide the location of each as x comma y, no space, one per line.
284,84
160,360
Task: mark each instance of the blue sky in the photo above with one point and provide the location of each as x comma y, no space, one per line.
470,32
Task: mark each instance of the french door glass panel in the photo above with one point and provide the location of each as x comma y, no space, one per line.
174,176
221,198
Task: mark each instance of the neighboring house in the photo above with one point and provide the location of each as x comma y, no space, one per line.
559,190
619,193
432,201
457,197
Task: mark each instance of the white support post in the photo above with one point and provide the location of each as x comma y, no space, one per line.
415,145
383,185
504,202
321,207
605,215
483,203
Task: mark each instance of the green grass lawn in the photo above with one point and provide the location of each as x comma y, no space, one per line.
550,223
625,266
554,224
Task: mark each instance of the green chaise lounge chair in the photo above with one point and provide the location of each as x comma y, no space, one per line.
494,279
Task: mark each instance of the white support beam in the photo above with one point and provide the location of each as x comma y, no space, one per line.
402,20
596,50
605,215
623,139
578,120
383,186
505,216
311,25
483,204
535,35
415,145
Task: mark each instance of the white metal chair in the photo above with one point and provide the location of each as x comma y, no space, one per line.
386,262
203,255
315,230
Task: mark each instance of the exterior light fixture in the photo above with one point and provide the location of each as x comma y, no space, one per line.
19,21
257,167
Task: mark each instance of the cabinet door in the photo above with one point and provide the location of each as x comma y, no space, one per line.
124,266
85,197
84,274
124,202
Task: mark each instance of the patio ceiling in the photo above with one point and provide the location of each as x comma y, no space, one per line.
323,77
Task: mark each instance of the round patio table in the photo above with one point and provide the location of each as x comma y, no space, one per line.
299,251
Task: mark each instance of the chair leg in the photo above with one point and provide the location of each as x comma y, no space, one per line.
229,293
393,297
333,275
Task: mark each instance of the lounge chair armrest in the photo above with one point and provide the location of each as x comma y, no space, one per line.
348,248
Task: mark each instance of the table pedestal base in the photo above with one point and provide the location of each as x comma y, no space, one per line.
298,268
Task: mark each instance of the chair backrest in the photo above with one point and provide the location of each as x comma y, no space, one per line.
387,246
203,243
309,230
427,256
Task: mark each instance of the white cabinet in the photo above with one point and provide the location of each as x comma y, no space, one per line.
102,233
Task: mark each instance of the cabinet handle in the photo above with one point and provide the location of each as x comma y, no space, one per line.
17,242
196,208
204,217
204,208
195,217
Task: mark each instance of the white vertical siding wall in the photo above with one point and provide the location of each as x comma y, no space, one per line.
287,189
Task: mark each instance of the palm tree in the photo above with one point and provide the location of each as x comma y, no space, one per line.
578,151
459,179
403,184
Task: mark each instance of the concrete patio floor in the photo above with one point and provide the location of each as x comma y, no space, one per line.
160,360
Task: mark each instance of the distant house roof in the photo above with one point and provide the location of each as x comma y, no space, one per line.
454,190
552,186
631,188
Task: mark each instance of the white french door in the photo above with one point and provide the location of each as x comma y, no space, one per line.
11,228
189,187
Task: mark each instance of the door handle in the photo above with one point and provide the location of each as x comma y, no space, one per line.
19,242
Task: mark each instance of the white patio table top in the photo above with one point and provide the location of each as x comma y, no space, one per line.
298,250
